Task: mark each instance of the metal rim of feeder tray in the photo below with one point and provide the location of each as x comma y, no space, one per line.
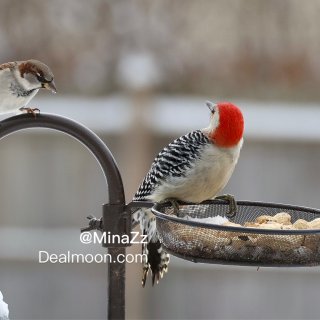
188,239
156,209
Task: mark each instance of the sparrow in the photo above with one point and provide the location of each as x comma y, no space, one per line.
20,81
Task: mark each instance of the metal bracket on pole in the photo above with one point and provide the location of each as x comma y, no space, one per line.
118,232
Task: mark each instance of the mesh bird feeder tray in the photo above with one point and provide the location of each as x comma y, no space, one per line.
191,239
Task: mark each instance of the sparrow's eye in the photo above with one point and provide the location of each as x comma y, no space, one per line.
41,79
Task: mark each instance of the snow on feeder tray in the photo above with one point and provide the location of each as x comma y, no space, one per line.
260,234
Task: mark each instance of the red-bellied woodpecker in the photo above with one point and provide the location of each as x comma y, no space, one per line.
192,168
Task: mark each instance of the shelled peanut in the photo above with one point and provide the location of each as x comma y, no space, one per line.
281,221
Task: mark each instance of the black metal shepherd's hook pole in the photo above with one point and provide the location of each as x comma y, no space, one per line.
115,217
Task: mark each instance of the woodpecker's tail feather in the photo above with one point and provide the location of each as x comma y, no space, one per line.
157,261
155,258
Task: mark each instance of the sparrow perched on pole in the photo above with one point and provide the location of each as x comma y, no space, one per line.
20,81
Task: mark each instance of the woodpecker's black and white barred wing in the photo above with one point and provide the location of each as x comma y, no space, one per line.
173,161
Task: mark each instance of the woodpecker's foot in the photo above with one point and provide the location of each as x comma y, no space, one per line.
33,111
175,206
232,204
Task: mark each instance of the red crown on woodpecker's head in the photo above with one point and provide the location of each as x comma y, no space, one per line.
229,124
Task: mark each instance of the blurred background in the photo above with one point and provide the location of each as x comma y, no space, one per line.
138,73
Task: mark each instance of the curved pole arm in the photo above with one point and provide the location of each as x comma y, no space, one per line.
82,134
113,211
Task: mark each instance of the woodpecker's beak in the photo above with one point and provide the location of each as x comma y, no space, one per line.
50,86
210,105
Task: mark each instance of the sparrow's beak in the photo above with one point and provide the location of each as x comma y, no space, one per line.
50,86
210,105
